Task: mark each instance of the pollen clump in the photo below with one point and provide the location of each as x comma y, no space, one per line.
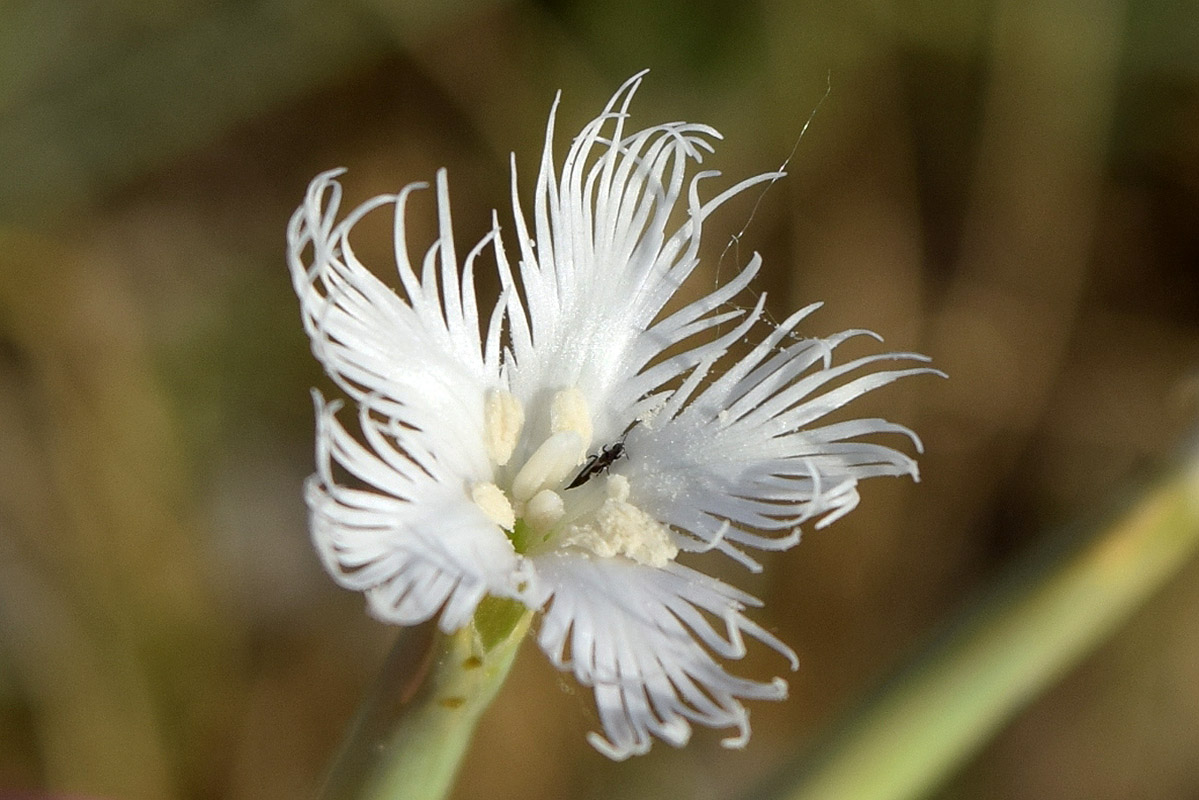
619,528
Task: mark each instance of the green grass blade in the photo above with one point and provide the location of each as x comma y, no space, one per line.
1015,644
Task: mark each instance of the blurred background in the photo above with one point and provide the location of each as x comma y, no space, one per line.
1011,187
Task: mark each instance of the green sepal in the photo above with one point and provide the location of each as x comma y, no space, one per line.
496,618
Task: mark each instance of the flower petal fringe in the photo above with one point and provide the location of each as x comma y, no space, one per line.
456,408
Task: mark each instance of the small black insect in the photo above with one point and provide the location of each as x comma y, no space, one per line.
598,463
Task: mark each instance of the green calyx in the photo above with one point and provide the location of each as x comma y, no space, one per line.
521,536
496,618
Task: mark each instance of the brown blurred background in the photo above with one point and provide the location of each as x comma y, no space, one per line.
1011,187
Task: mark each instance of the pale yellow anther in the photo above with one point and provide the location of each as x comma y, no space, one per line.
568,412
503,419
544,509
549,465
494,503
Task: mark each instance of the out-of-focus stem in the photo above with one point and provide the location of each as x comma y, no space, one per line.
1042,621
415,727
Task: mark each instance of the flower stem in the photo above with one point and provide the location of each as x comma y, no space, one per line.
411,733
1017,642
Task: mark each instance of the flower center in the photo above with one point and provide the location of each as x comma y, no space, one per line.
536,511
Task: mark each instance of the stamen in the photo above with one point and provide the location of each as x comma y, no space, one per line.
544,510
494,503
548,465
503,419
569,412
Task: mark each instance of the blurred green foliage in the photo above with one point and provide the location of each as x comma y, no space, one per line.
1011,187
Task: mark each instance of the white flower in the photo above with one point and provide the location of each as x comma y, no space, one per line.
566,456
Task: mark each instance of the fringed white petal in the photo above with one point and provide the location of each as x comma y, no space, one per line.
418,359
745,455
461,430
410,539
644,638
601,262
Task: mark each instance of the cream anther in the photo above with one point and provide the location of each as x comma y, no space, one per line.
544,509
548,465
494,503
568,412
503,419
